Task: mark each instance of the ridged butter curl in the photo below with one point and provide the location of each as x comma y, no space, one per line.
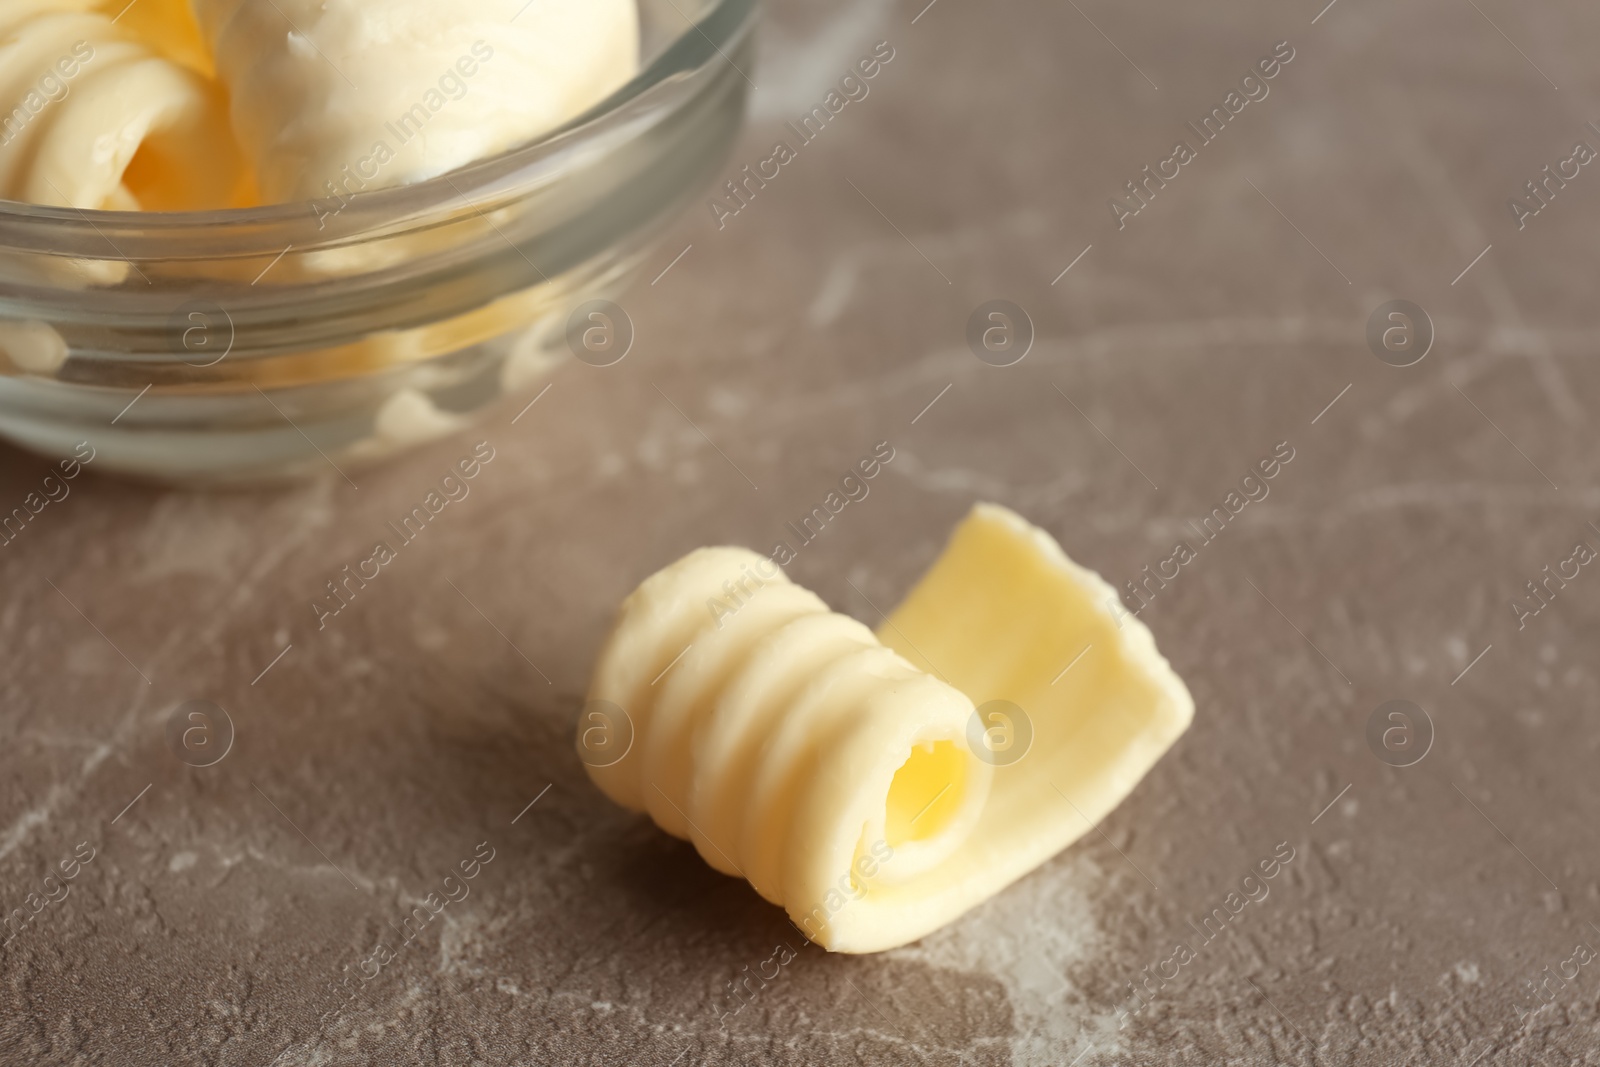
781,738
879,785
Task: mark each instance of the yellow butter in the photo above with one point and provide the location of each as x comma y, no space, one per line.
336,97
129,109
879,785
92,117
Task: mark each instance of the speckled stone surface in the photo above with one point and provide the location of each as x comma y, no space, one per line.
226,913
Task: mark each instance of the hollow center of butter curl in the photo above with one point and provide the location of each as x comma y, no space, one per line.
925,794
934,801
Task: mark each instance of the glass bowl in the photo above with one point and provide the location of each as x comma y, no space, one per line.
262,344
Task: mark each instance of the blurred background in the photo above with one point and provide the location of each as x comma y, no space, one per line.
1180,316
